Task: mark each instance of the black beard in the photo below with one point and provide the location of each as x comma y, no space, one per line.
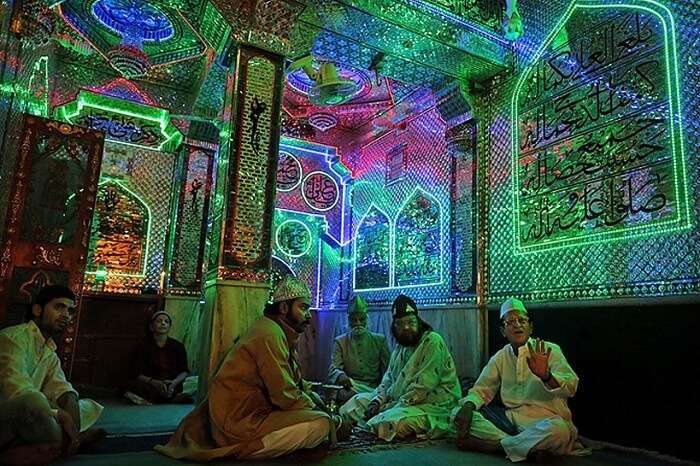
408,340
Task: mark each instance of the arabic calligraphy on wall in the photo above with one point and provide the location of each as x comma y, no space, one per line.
123,128
596,147
320,191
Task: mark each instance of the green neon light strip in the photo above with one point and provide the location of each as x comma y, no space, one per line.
675,123
87,99
39,108
148,230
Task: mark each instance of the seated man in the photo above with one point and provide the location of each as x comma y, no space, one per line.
534,381
419,388
360,357
40,414
258,406
159,366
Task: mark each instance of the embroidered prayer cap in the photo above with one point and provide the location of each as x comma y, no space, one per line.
159,313
512,304
290,288
357,304
403,306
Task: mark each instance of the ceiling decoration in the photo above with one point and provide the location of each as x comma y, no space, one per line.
134,36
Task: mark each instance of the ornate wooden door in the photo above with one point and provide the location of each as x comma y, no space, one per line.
47,228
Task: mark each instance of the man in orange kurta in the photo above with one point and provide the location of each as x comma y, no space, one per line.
258,406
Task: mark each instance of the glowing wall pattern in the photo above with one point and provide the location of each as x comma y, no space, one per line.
404,227
143,179
597,150
597,132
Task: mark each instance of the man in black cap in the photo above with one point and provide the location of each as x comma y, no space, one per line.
418,389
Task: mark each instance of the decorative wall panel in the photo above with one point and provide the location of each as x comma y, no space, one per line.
253,162
142,179
46,232
595,198
192,213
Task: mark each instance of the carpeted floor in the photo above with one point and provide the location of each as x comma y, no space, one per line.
134,430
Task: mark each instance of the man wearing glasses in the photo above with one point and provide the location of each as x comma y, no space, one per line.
534,381
41,417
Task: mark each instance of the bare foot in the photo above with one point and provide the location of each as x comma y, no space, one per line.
91,436
469,443
26,455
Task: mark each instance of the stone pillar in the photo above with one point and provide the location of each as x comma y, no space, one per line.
240,252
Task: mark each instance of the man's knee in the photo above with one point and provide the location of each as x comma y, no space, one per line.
558,430
36,423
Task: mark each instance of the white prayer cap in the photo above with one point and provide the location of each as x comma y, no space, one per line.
512,304
290,287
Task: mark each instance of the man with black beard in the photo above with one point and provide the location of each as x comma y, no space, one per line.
419,388
360,357
258,406
41,417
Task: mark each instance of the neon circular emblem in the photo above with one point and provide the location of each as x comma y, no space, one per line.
288,172
293,238
135,20
320,191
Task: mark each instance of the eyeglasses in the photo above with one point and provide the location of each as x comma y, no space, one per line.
514,322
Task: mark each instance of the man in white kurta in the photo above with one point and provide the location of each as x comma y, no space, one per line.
534,381
419,388
39,408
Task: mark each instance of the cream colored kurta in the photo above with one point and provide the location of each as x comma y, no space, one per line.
419,386
257,390
29,363
526,398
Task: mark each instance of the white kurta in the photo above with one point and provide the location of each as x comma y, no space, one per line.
417,392
540,413
28,362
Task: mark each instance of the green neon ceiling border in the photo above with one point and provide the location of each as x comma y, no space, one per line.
87,99
279,245
144,263
676,224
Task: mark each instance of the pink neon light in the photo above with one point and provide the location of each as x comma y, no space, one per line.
123,83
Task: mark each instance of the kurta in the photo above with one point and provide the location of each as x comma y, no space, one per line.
257,390
526,398
420,382
28,362
363,358
164,363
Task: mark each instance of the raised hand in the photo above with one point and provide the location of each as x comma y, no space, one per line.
538,361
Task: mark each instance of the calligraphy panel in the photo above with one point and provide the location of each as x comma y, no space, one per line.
372,245
597,140
288,172
320,191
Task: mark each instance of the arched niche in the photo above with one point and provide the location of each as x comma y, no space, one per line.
418,241
120,231
372,251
